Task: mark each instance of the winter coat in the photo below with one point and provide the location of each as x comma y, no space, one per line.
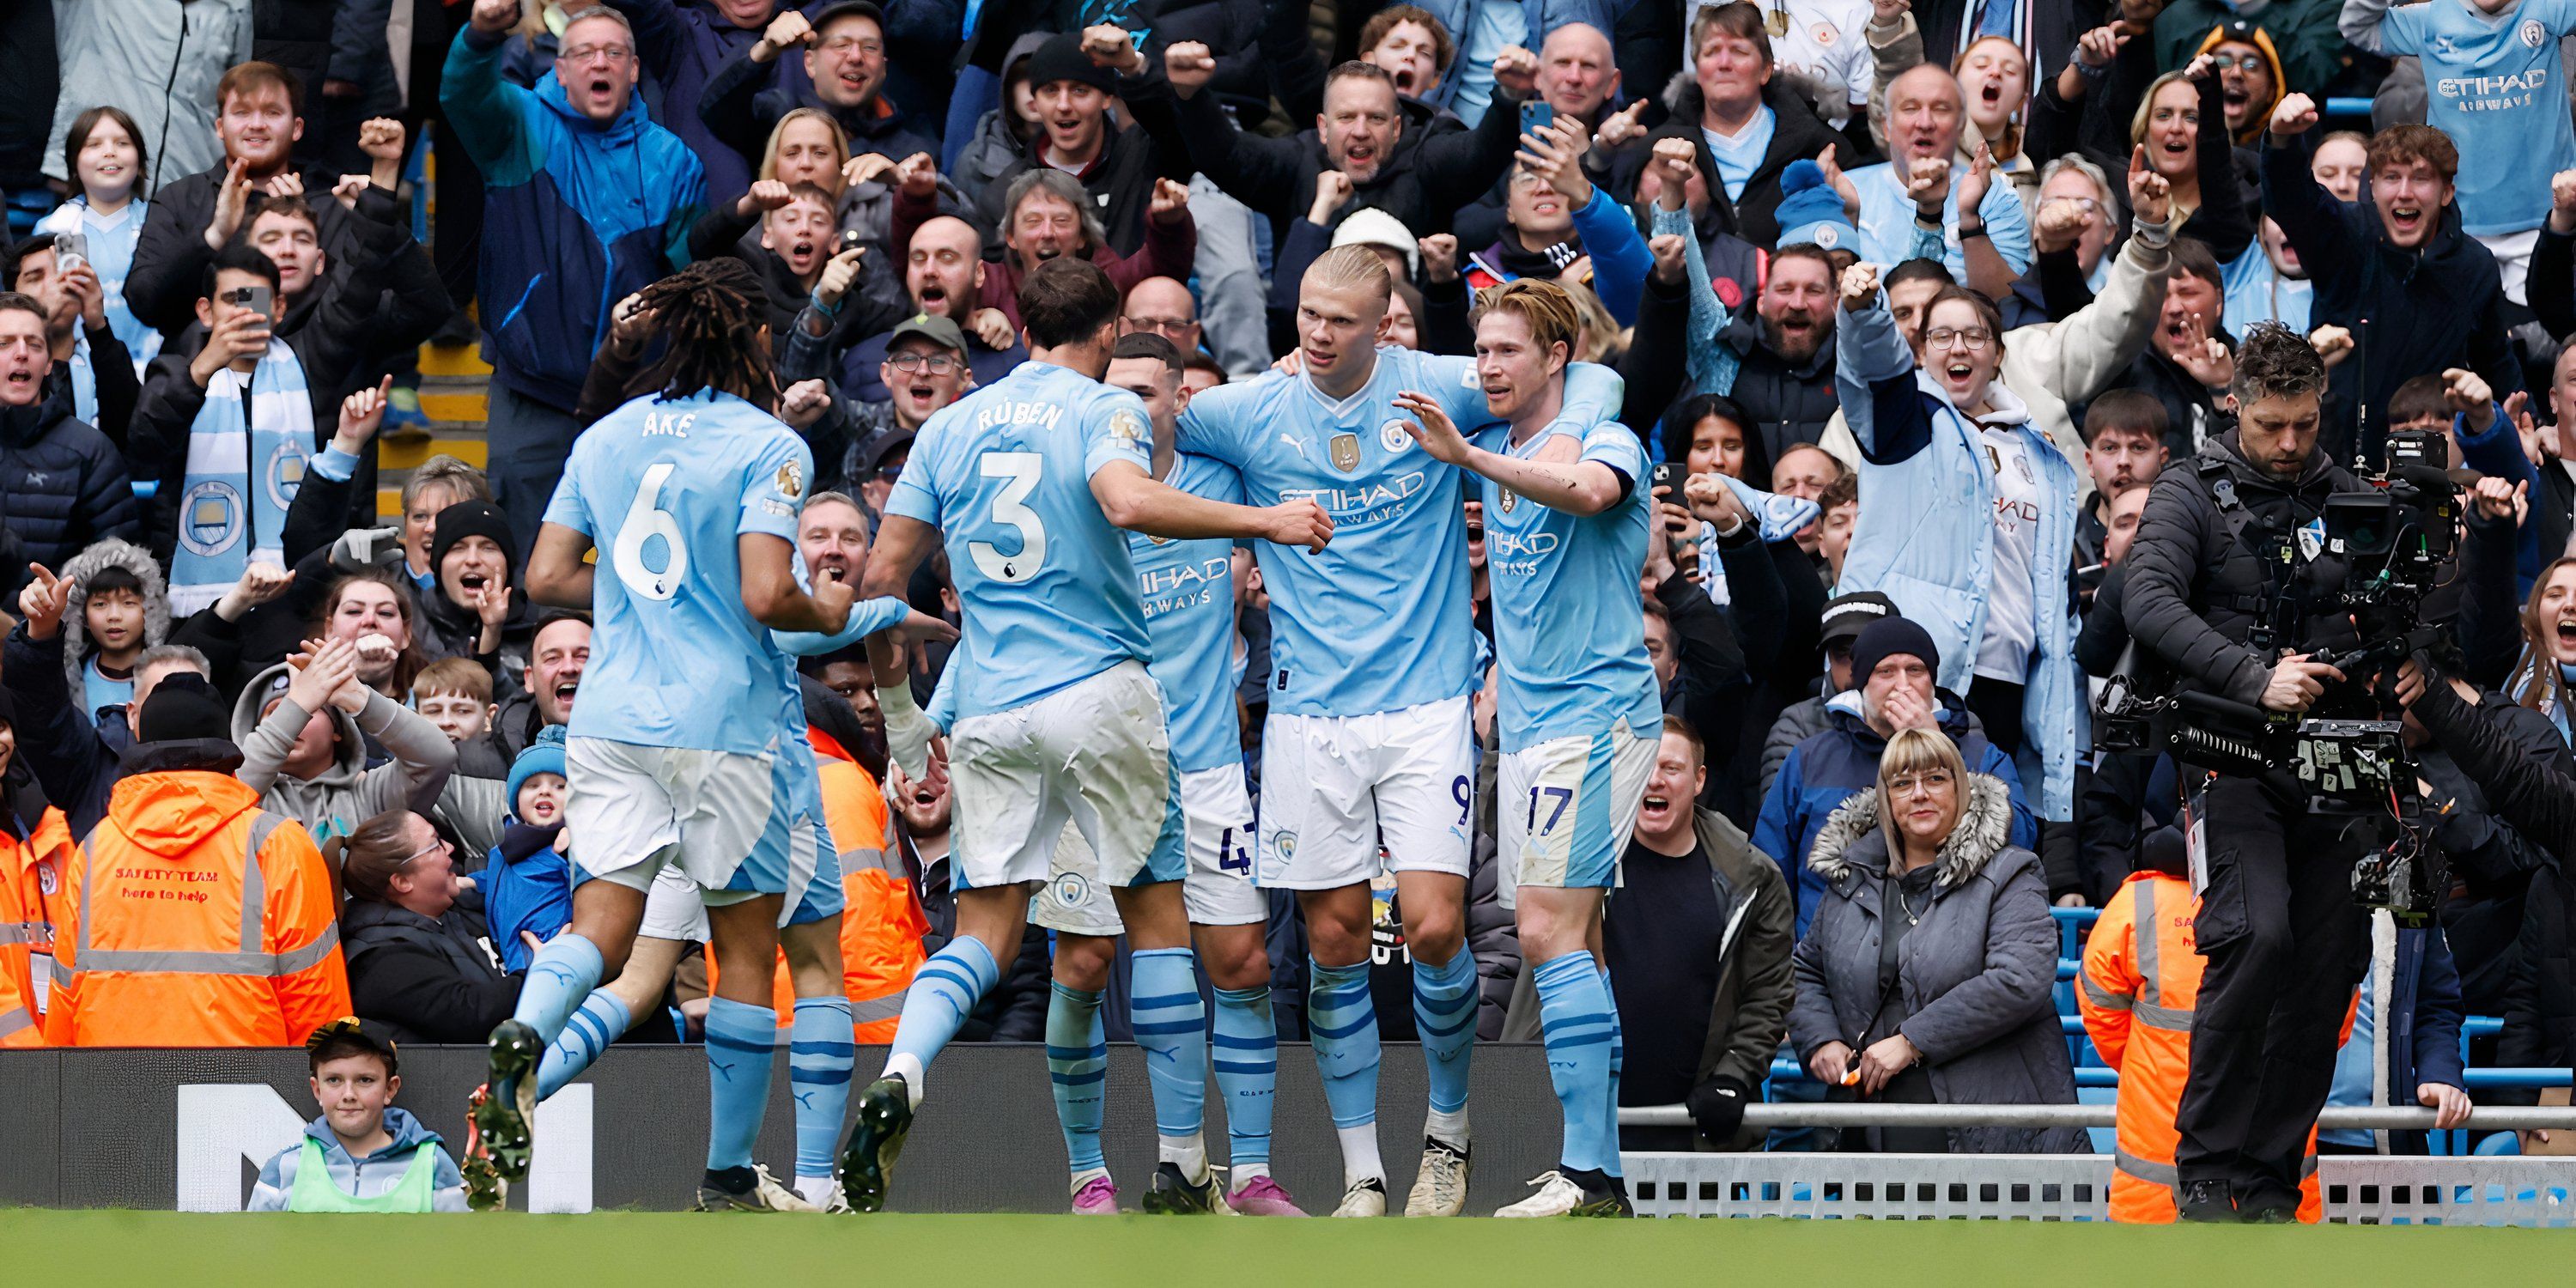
743,101
167,278
160,62
1826,771
1799,722
2411,312
576,216
1120,182
57,738
62,484
1978,971
2311,52
375,1175
423,979
89,563
1798,135
527,887
2191,592
347,793
1927,537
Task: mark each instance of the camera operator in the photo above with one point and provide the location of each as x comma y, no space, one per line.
2210,594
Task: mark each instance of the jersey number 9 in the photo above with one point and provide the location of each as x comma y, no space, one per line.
645,520
1024,470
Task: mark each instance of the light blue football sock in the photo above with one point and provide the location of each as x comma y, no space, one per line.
1078,1066
1343,1023
1171,1024
1618,1061
742,1042
820,1051
1444,1015
561,974
943,993
585,1037
1576,1019
1245,1052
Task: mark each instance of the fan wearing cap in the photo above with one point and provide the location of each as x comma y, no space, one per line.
474,612
1116,163
842,71
360,1154
926,367
943,276
1893,662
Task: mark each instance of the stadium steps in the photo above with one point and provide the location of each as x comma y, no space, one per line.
455,396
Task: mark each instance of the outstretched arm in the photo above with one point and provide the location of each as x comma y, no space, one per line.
1555,476
1134,500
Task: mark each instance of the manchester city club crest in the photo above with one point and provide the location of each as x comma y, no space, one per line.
1071,888
2533,34
1392,437
210,517
1345,450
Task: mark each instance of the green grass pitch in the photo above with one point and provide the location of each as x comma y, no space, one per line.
113,1249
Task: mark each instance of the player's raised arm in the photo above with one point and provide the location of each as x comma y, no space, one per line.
1132,499
772,597
558,576
1555,477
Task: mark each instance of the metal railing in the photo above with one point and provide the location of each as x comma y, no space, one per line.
1848,1114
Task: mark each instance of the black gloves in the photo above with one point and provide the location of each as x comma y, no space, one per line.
1717,1106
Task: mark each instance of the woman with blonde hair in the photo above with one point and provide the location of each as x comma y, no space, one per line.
1927,975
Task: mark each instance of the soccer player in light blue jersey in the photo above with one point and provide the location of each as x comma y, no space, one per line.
1566,523
1373,652
1187,589
1027,482
689,495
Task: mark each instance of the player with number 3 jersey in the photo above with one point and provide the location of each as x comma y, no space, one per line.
1026,482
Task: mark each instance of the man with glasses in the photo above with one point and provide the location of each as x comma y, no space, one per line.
1162,306
587,201
926,367
943,276
844,74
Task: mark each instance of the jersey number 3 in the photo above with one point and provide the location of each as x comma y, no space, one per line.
1024,470
645,520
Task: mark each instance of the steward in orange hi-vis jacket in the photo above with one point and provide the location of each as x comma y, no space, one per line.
31,881
195,918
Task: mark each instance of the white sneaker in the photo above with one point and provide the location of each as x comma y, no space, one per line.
835,1200
1364,1198
766,1195
1556,1196
1441,1187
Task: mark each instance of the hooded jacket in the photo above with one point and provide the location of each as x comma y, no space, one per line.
1926,540
576,216
110,553
2411,312
377,1174
65,484
684,46
170,257
2258,115
1120,181
1978,972
1831,768
423,979
347,793
255,962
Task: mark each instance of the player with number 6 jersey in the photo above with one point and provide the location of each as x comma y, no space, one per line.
1373,655
690,497
1027,482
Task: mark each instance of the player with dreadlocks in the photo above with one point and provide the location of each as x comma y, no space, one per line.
690,494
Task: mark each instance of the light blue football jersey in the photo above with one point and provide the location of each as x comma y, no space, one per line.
1382,619
1568,620
1005,475
1188,592
2494,83
663,488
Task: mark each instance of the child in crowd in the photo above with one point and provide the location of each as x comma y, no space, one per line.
118,607
527,882
103,151
455,694
360,1154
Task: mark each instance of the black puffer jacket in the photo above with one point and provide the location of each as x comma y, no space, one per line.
1799,135
2191,591
65,484
424,980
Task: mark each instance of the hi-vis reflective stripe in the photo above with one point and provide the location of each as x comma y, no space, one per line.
2150,935
888,1007
2166,1175
865,859
250,960
15,1020
25,932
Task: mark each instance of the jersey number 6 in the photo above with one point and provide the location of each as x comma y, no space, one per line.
645,520
1023,469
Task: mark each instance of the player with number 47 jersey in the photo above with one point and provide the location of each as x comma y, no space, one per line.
1027,482
1566,525
1373,656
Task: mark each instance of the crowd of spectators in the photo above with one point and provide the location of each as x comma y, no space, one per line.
1915,302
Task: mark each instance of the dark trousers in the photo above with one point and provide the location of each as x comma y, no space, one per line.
2284,944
